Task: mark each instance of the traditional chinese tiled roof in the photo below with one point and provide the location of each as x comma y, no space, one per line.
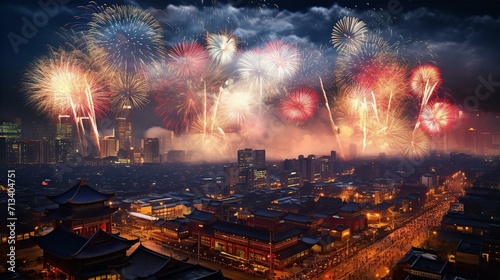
66,244
350,207
143,263
60,242
292,250
201,216
102,243
80,193
253,232
268,213
298,218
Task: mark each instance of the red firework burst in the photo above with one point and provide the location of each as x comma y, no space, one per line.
188,59
438,116
299,106
179,110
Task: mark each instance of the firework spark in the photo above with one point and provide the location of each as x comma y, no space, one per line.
423,77
129,90
348,34
437,117
281,60
130,37
299,105
60,84
179,110
237,107
188,59
415,144
221,47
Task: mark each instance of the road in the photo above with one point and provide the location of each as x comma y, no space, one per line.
376,260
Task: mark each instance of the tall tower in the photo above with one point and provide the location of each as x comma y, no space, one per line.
123,132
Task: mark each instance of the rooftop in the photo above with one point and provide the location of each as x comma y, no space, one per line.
81,193
254,232
80,247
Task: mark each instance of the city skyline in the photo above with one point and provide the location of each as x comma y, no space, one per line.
414,36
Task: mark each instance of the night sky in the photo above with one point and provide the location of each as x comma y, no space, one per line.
463,37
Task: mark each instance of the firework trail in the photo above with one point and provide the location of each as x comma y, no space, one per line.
424,80
179,109
129,37
332,123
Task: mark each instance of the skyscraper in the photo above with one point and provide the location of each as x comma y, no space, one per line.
64,128
151,150
10,135
109,147
248,159
123,132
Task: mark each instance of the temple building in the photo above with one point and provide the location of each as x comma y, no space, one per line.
82,210
69,255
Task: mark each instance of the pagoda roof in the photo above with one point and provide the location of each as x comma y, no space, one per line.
103,243
81,193
80,247
143,263
51,242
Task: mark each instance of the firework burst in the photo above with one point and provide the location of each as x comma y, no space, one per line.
61,84
281,60
362,65
424,77
130,37
437,117
129,90
415,144
237,107
299,105
188,59
348,34
221,47
179,110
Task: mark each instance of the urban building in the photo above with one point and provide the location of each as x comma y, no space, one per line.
151,150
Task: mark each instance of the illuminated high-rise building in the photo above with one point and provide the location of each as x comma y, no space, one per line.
123,132
10,135
249,158
64,128
109,146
